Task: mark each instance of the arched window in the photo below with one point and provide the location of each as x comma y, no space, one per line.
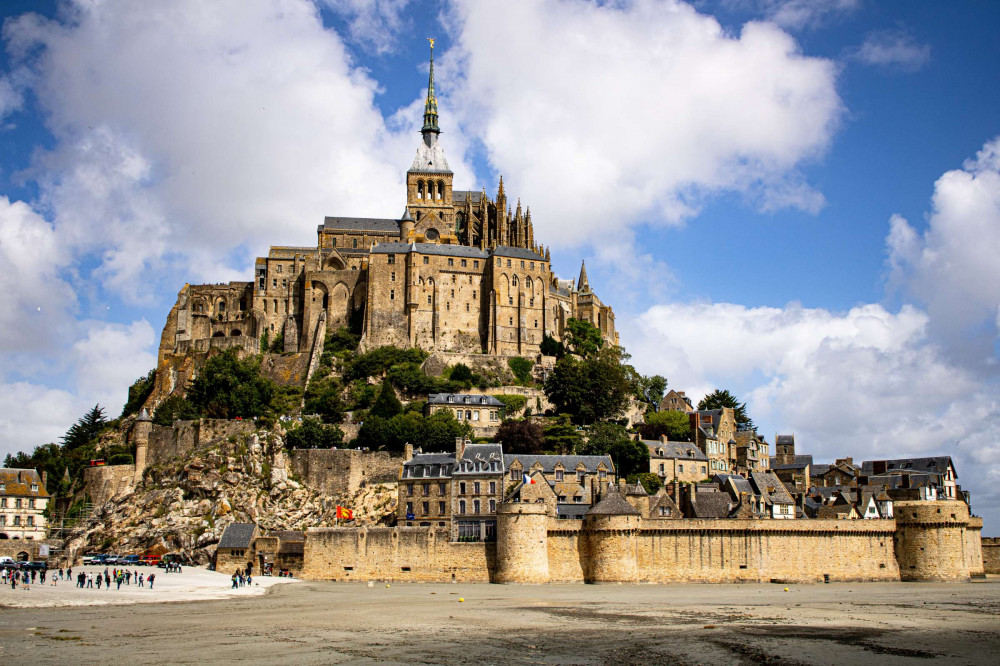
236,333
440,195
514,280
420,189
220,307
354,243
476,506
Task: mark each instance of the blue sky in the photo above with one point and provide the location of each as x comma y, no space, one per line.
794,200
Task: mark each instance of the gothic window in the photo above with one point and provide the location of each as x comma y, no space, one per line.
333,242
420,189
427,260
354,243
514,281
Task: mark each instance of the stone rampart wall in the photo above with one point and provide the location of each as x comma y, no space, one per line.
344,471
394,554
991,554
15,548
709,551
167,442
103,483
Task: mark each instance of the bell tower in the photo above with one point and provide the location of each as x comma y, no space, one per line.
429,180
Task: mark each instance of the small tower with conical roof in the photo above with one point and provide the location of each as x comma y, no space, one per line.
612,526
583,284
140,437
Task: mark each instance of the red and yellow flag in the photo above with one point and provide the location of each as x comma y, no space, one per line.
345,514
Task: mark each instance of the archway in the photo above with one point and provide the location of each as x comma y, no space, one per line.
23,556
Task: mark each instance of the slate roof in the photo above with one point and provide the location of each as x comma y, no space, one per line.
460,196
548,462
784,439
800,463
836,511
479,459
636,490
361,224
288,535
770,488
674,450
431,248
430,158
17,482
517,253
429,466
613,504
894,481
572,511
711,504
932,465
664,500
738,483
237,535
463,399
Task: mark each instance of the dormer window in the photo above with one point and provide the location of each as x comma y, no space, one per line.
34,487
451,398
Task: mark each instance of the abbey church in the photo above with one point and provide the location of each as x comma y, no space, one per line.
458,271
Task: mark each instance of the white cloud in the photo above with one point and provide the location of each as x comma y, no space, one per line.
799,14
187,131
869,382
892,48
110,358
31,415
606,117
953,265
374,24
36,303
11,98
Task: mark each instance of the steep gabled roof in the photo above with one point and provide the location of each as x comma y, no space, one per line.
613,504
237,535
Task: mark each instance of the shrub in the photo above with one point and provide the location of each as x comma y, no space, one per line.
521,367
513,404
139,392
460,372
121,459
650,482
313,434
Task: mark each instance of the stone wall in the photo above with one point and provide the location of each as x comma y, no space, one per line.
167,442
396,554
991,554
344,471
16,548
707,551
103,483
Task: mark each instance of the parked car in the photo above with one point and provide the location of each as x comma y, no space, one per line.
93,559
131,561
8,563
37,565
151,561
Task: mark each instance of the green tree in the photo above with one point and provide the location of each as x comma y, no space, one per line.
460,372
521,436
174,408
513,404
521,367
229,387
86,429
313,434
551,347
323,398
650,482
591,389
675,425
650,390
139,392
718,399
583,337
561,437
387,404
611,439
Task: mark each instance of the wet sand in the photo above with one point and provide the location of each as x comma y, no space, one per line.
323,623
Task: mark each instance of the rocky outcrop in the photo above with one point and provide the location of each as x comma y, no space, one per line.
185,504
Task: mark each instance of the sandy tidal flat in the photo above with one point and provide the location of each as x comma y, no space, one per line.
329,623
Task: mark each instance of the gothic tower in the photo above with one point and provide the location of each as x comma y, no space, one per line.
429,180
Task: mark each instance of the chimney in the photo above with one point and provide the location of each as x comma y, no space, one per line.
407,451
663,439
459,448
45,477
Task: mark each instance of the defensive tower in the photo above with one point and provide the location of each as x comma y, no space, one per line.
522,543
930,540
612,526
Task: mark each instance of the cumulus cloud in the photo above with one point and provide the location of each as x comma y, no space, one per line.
608,117
36,302
11,98
110,358
892,49
799,14
31,414
374,24
192,130
869,382
952,265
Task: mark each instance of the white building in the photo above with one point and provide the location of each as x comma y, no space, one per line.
23,499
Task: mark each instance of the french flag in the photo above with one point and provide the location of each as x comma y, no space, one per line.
528,479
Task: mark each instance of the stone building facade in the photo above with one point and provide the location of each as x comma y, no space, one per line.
23,499
482,412
458,271
677,461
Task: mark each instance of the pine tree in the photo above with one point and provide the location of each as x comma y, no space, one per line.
718,399
86,429
386,404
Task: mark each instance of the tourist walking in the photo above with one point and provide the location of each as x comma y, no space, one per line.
152,577
140,580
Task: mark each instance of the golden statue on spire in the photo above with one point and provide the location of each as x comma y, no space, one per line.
431,40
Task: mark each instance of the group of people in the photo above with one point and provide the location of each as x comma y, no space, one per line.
119,576
84,579
243,577
24,578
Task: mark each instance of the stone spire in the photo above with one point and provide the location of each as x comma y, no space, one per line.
529,229
548,257
431,105
582,284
